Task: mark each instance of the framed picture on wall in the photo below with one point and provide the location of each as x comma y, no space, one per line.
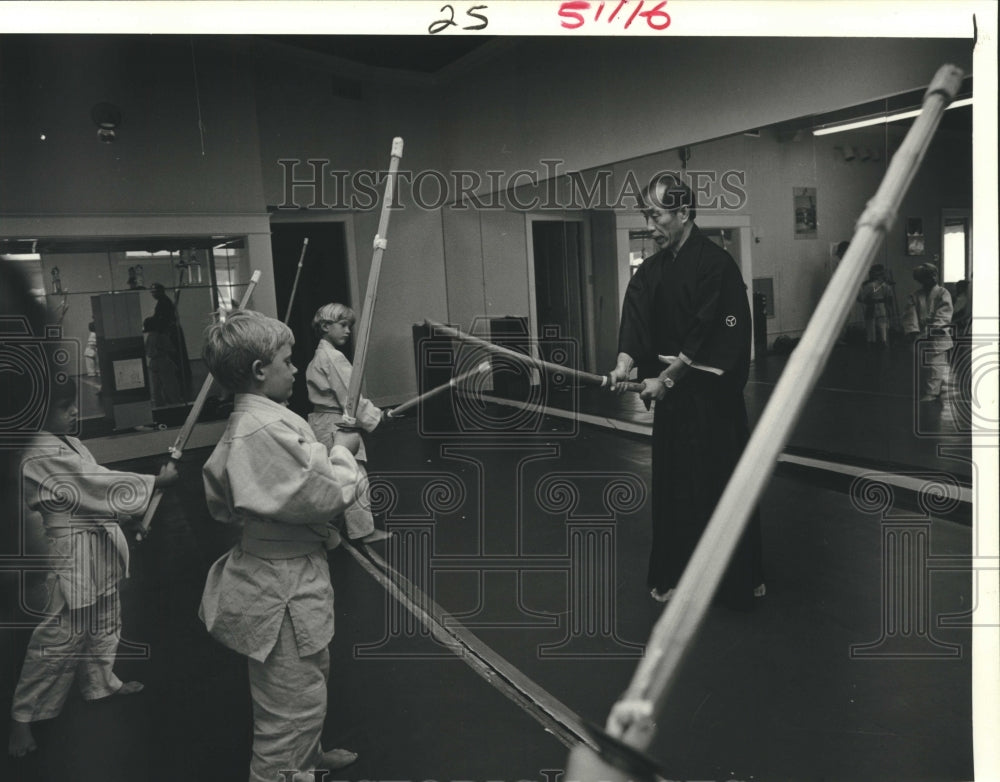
914,236
804,201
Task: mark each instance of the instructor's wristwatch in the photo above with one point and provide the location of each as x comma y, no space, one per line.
667,381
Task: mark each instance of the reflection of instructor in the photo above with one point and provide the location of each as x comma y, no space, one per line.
165,316
686,325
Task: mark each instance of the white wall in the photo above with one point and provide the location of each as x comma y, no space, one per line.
586,101
594,101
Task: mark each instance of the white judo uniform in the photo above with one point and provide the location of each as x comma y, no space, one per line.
928,313
78,504
327,379
269,598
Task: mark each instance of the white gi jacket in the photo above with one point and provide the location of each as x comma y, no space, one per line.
327,379
929,314
269,474
80,503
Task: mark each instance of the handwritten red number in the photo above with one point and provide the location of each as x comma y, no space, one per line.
658,12
638,8
570,10
572,18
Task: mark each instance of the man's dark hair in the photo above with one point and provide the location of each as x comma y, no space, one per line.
676,194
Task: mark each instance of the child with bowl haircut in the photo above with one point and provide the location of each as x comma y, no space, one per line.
328,377
74,504
269,598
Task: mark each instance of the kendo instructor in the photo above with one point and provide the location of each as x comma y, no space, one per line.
686,327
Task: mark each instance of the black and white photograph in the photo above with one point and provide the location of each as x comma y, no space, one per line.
516,391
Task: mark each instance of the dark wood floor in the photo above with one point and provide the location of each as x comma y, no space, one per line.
813,684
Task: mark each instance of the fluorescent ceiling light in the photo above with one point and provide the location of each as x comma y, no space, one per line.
880,119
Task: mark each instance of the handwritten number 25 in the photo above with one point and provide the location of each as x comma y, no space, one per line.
444,24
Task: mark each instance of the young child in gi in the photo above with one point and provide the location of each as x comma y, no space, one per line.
269,598
328,377
75,503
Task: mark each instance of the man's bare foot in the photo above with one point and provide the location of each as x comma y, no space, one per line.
334,759
129,688
21,739
376,535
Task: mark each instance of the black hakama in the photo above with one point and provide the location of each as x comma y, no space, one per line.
694,304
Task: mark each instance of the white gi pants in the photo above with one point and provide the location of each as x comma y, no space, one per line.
289,707
78,644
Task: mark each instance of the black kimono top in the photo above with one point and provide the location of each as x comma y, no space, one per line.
693,304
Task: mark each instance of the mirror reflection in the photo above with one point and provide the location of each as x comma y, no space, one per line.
136,308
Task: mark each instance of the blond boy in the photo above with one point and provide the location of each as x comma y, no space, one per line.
269,598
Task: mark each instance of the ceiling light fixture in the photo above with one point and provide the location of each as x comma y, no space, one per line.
879,119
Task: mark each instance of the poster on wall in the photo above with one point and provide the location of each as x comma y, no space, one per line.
914,236
128,374
804,199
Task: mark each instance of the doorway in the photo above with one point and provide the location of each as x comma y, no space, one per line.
731,232
324,279
956,245
559,299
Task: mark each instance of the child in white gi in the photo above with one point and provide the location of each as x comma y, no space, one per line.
76,504
269,598
90,353
328,377
928,316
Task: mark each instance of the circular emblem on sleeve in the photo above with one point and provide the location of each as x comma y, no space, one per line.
730,320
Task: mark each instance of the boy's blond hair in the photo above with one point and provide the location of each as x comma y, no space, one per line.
233,345
331,313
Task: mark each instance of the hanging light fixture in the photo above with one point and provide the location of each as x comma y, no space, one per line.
107,117
879,119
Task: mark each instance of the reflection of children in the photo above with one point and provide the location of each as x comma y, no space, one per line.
327,378
928,315
77,503
876,298
90,353
164,385
270,598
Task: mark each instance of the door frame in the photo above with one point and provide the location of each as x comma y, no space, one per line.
588,351
958,214
634,221
294,217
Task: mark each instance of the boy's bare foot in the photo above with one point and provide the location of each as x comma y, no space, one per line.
376,535
334,759
21,739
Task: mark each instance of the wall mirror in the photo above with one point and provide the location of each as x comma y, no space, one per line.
135,310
